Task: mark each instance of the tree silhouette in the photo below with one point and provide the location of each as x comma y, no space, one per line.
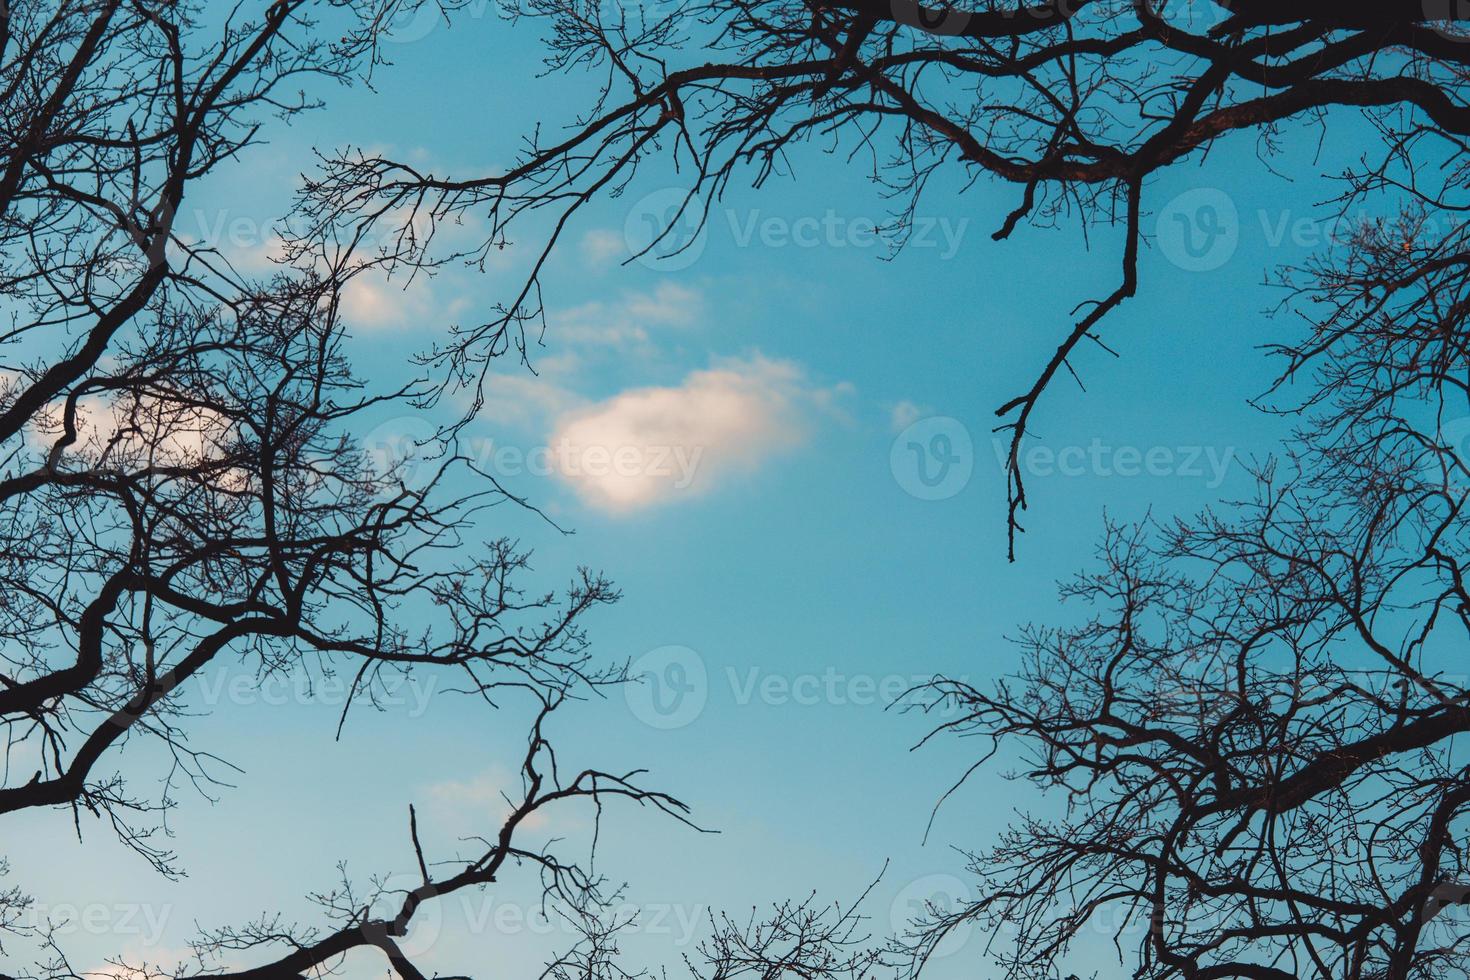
1078,103
181,485
1253,730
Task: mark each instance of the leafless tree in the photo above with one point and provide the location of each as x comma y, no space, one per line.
1255,730
1076,102
181,486
1251,733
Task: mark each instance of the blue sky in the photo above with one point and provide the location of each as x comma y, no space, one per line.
801,570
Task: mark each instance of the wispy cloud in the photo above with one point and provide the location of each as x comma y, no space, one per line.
905,414
602,248
478,804
605,334
628,320
648,446
372,300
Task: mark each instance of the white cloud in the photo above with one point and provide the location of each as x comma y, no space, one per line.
613,333
652,445
373,300
905,414
625,322
134,432
147,963
258,258
481,803
526,399
603,247
669,305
